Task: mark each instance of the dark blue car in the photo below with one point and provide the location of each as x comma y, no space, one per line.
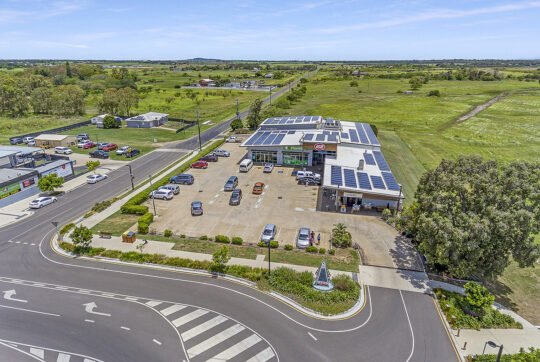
183,178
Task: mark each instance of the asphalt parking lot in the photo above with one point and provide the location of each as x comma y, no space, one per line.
283,202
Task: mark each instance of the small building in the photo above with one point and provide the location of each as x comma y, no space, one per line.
96,119
269,75
61,167
55,140
233,85
17,184
249,84
18,156
147,120
207,83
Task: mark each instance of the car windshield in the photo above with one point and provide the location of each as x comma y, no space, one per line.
267,232
303,236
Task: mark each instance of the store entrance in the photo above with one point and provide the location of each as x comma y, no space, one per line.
264,156
320,156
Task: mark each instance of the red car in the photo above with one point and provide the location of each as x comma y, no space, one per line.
199,164
89,145
110,147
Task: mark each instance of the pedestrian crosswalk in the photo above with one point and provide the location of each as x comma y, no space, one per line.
212,337
46,354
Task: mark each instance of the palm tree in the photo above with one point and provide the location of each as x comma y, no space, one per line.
340,236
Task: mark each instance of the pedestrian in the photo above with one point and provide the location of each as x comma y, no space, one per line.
312,234
318,239
311,241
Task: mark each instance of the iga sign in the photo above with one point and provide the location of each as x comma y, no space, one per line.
319,146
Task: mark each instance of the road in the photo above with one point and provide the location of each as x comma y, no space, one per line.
52,305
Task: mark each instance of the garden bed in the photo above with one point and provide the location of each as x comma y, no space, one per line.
531,356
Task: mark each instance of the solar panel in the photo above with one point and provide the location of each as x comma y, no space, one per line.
325,132
332,137
369,159
291,132
308,136
261,139
335,176
350,180
372,138
383,166
320,137
390,180
361,133
354,136
270,139
377,182
254,138
278,139
363,180
345,135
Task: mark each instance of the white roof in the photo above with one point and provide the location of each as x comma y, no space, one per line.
147,117
52,137
101,116
12,150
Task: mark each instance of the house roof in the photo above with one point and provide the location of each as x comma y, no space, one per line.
14,174
52,137
148,117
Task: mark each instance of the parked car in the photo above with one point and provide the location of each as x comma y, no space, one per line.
309,181
209,158
258,188
183,178
199,164
161,194
233,139
122,150
15,140
221,153
82,136
245,165
236,197
268,167
42,201
98,154
302,173
269,233
196,208
27,139
92,179
88,145
82,143
100,145
231,183
134,152
63,150
110,147
31,143
302,241
174,188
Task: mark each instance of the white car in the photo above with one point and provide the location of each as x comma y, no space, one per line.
28,139
92,179
31,143
220,152
122,150
310,174
268,167
63,150
233,139
42,201
163,194
82,143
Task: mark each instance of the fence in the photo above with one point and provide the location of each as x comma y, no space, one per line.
58,130
187,123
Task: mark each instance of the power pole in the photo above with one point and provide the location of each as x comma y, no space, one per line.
199,127
153,198
131,178
237,110
270,89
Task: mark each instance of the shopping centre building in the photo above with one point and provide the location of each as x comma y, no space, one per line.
354,166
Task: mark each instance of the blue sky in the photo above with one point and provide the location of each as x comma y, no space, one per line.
270,30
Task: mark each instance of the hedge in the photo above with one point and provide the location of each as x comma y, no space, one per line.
222,239
274,244
143,228
147,218
312,249
237,240
67,228
288,247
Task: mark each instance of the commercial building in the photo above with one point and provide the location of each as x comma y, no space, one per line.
55,140
17,184
147,120
355,170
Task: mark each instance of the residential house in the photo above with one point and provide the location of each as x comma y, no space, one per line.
147,120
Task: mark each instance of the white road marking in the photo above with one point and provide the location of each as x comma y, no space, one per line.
157,342
61,288
10,241
25,243
311,335
214,340
126,328
195,331
62,357
89,320
262,356
131,299
235,350
89,308
298,209
410,326
8,295
211,202
189,317
32,244
88,360
17,242
173,308
29,310
84,291
107,294
38,352
39,285
153,303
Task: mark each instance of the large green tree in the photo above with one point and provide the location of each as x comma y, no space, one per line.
109,102
472,215
254,116
127,99
50,182
41,100
111,122
68,100
13,101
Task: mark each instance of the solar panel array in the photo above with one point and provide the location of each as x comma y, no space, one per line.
354,136
326,136
350,180
372,138
377,182
381,162
344,135
390,180
335,176
308,136
368,157
363,180
292,120
361,133
267,138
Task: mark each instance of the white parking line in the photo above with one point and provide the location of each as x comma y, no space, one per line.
89,320
38,352
153,303
195,331
189,317
157,342
262,356
126,328
311,335
62,357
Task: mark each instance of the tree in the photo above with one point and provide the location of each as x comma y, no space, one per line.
41,100
50,182
236,123
434,93
68,100
472,215
13,100
81,236
110,102
341,238
478,296
127,99
220,259
416,82
111,122
92,165
254,116
68,70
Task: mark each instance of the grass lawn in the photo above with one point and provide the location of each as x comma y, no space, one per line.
345,259
10,127
209,247
116,224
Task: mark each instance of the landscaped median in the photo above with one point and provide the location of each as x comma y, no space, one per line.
297,286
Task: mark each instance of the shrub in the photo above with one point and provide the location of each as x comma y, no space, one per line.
237,240
95,251
434,93
322,251
306,278
147,218
478,296
343,282
182,236
142,228
133,209
111,254
332,251
386,214
204,237
222,239
274,244
67,246
341,237
288,247
262,244
167,233
67,228
312,249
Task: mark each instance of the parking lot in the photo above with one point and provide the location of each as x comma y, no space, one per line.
283,202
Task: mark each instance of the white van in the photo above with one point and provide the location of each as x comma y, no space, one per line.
302,174
246,165
64,150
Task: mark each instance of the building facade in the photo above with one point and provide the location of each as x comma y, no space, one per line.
147,120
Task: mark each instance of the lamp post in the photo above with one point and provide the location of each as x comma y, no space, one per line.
270,89
131,178
199,128
153,198
237,110
399,199
268,258
493,345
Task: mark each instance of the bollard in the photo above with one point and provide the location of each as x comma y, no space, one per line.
447,307
443,297
458,330
464,346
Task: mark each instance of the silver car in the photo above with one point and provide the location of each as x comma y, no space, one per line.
161,194
122,150
268,167
174,188
220,152
303,238
42,201
92,179
268,233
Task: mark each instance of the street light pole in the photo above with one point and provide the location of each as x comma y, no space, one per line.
199,127
153,198
399,199
131,178
268,258
500,353
270,89
237,110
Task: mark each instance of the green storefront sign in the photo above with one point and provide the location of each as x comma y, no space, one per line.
10,190
292,148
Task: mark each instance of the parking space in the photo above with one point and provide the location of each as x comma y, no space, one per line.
106,165
283,202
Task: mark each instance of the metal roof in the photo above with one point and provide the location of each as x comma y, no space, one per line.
291,120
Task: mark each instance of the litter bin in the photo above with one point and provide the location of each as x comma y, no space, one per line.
128,237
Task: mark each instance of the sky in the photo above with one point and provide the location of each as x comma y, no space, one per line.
269,30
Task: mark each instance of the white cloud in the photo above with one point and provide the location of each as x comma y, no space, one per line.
52,44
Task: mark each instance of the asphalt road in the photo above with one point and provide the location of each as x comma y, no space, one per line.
176,316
